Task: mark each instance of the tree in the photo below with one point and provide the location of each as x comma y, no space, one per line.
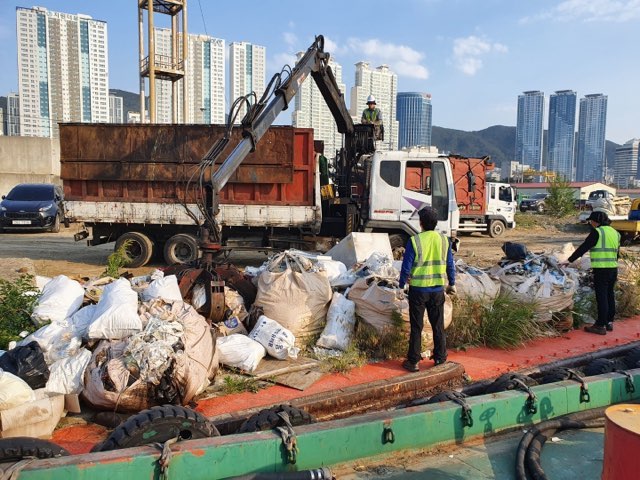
561,201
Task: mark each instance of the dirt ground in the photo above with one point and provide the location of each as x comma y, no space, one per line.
55,254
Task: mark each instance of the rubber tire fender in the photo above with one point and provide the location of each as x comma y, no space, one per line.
446,396
140,241
158,424
182,240
16,448
632,357
505,382
555,375
599,366
268,419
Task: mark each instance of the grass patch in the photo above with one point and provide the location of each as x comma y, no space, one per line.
17,300
238,384
584,308
352,358
393,342
528,221
628,287
505,324
117,260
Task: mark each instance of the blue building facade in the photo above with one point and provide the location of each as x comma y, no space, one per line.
592,126
529,129
562,126
414,115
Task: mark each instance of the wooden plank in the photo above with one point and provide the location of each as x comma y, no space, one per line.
299,380
270,367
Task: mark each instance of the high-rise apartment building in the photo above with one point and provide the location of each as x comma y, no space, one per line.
529,129
382,83
247,71
414,119
311,111
116,113
2,121
63,72
562,126
626,173
13,115
592,124
205,77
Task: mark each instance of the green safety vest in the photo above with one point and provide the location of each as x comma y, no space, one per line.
430,264
605,253
371,115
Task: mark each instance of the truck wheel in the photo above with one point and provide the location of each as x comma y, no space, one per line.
181,248
140,248
158,424
496,228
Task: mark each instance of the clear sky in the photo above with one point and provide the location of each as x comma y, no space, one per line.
473,56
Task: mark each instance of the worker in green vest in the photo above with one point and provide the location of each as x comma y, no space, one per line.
428,266
372,115
603,243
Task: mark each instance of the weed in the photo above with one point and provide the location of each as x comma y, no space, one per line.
527,221
393,342
17,300
560,201
507,323
239,384
352,358
584,308
117,260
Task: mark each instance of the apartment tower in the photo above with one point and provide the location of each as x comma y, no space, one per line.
562,126
414,119
592,125
247,71
529,129
63,73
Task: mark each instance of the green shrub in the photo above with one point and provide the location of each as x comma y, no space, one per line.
117,260
560,201
392,343
17,300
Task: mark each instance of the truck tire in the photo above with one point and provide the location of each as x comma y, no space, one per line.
17,448
157,425
496,228
268,418
140,249
181,248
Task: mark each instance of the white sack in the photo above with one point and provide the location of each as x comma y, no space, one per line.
277,340
341,320
14,391
116,315
377,299
333,269
165,288
240,351
67,375
60,298
81,320
57,341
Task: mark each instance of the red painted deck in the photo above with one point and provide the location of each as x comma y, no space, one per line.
479,363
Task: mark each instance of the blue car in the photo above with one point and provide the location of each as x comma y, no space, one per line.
32,206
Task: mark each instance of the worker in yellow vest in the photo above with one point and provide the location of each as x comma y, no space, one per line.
372,115
428,266
603,243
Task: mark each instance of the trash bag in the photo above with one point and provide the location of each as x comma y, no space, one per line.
240,351
277,340
61,298
377,299
14,391
27,362
57,341
341,321
116,315
67,375
515,251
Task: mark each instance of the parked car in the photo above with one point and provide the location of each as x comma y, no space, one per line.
32,206
598,195
535,203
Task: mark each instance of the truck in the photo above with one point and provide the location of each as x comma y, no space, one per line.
487,207
163,188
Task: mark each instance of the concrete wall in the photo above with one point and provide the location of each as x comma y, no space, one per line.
28,160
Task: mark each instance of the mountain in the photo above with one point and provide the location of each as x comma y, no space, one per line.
497,141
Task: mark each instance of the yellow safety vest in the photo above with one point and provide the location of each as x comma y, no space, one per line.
605,253
430,264
371,115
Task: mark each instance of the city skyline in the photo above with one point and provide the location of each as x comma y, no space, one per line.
497,49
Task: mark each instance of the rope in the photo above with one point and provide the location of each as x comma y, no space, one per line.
289,439
13,471
165,457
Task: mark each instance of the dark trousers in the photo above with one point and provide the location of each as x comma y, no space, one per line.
604,281
433,302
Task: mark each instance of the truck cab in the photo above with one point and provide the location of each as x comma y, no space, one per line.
403,182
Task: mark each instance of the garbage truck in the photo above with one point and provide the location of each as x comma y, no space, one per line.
178,191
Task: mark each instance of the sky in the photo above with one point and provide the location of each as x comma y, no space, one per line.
473,56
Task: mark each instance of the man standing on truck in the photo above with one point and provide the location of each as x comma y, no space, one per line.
603,243
373,116
427,264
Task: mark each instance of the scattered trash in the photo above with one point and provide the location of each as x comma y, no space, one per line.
475,284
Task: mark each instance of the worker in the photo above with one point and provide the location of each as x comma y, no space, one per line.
603,243
427,265
373,116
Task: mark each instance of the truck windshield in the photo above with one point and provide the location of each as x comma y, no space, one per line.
504,194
